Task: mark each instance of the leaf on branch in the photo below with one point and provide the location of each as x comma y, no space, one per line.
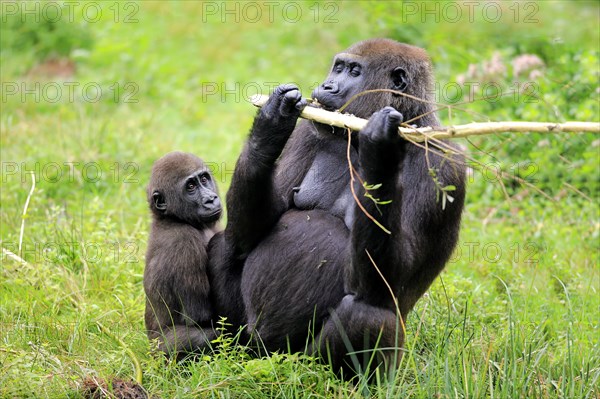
376,201
441,191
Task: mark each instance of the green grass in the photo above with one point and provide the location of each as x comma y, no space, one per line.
514,315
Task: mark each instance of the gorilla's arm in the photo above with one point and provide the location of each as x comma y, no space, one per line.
380,156
422,233
253,201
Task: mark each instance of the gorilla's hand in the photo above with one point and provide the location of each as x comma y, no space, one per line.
284,105
286,101
383,126
276,121
380,146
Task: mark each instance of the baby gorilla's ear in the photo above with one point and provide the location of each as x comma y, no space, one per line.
159,201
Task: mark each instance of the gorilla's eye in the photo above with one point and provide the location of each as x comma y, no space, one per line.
204,179
190,186
355,70
339,67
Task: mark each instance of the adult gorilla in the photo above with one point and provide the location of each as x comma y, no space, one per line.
298,257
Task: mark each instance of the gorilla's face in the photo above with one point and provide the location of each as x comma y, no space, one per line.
345,80
350,75
199,193
182,188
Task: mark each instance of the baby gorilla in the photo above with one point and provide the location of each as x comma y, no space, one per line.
185,211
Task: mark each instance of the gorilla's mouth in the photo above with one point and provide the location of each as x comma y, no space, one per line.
211,216
320,103
327,107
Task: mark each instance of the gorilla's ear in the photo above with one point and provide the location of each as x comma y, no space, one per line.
399,79
159,201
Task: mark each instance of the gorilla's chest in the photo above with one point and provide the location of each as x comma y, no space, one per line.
326,185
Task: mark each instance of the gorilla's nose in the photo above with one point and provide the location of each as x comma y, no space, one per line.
325,94
210,201
330,86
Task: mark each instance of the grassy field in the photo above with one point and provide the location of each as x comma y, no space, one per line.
516,313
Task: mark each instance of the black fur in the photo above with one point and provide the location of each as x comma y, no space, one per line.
295,245
185,209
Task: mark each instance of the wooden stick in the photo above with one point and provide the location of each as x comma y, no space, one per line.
450,132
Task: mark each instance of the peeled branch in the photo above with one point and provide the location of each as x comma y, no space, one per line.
449,132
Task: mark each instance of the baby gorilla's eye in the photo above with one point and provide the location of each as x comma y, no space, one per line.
204,179
190,186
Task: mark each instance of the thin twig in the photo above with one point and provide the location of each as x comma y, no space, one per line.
360,205
25,211
394,298
569,186
14,256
